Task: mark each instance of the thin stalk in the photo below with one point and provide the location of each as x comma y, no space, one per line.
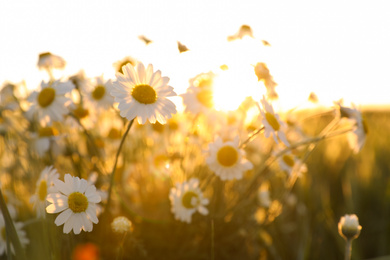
115,165
348,249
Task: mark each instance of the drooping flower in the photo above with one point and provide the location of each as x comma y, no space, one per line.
357,137
51,102
76,200
272,123
143,93
289,163
227,160
44,186
263,74
187,198
3,236
50,61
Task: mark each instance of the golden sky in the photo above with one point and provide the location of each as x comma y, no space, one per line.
337,49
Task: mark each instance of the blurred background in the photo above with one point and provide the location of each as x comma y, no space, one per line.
338,50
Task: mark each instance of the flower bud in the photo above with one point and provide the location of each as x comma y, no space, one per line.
349,227
121,225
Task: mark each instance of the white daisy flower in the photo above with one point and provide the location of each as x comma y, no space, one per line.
272,123
44,186
288,163
227,160
143,93
121,225
97,93
187,198
44,138
50,103
19,231
76,200
198,100
357,137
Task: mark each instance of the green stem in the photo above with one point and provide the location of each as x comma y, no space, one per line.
115,165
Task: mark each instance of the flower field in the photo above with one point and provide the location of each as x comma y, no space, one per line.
97,168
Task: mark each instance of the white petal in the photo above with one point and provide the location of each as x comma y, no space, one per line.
63,217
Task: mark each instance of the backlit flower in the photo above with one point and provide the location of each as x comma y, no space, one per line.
227,160
272,123
44,186
349,227
121,225
51,102
187,198
76,200
143,93
50,61
97,93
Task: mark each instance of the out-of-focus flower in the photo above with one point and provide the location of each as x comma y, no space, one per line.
289,163
76,200
187,198
50,103
44,138
245,30
198,100
349,227
126,60
263,195
313,97
145,39
357,137
50,61
227,160
121,225
44,186
87,251
143,93
182,47
272,123
97,93
263,74
3,237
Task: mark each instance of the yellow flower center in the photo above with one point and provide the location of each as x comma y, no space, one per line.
46,97
47,131
42,190
288,159
227,156
144,94
205,97
77,202
187,199
80,112
98,92
271,119
204,81
114,133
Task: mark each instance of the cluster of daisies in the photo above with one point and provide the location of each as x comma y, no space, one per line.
140,93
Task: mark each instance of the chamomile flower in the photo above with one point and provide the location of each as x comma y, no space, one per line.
357,137
227,160
76,200
143,93
50,103
272,123
198,100
289,163
187,198
44,138
50,61
97,93
44,186
3,236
